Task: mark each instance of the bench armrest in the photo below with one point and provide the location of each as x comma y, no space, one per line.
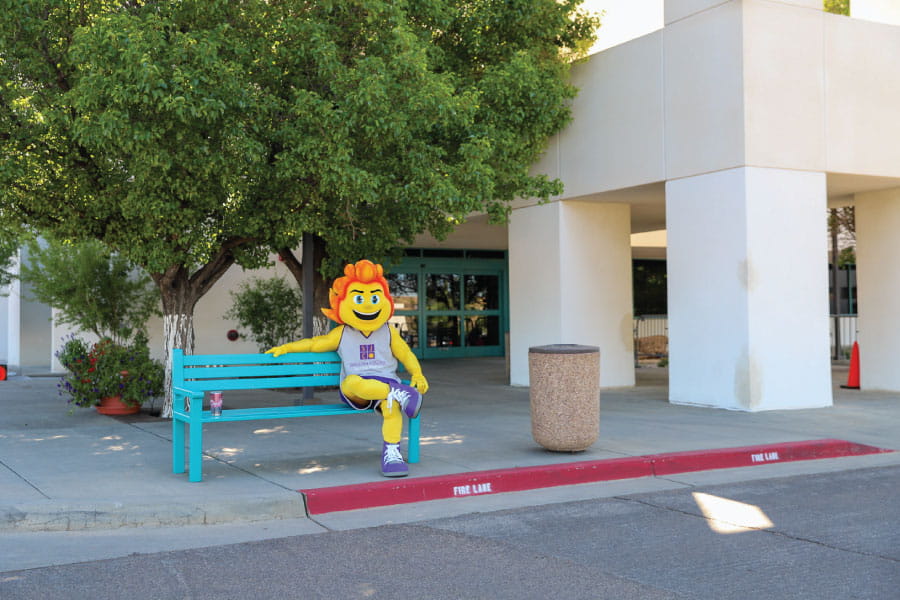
186,394
180,391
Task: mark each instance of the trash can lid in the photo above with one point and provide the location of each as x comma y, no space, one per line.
563,349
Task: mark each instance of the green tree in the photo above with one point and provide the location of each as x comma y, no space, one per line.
191,135
838,7
93,289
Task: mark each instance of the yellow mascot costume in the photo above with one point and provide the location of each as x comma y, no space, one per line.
361,304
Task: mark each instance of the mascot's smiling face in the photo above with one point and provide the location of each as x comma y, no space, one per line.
365,307
361,298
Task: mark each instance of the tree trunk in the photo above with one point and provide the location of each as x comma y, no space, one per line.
320,287
835,299
180,291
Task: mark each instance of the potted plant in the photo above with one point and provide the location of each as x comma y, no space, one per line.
116,378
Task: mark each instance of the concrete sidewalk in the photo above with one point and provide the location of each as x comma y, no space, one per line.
61,471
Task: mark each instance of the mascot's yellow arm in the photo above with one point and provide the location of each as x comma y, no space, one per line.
321,343
401,350
331,340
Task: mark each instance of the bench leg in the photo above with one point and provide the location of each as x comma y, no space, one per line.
177,446
413,441
195,452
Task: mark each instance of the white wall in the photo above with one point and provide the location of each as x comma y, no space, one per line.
10,321
475,233
747,286
704,92
784,86
570,283
210,324
862,96
766,83
35,342
9,333
616,136
534,283
4,326
596,285
878,277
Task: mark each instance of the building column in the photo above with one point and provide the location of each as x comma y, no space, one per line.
570,283
11,354
878,281
748,290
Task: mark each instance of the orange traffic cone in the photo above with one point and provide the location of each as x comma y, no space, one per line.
853,376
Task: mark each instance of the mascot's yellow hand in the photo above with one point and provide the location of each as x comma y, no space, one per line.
419,382
298,346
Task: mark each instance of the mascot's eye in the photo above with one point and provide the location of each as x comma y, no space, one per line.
375,299
358,299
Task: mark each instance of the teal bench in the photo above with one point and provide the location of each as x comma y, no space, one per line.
194,375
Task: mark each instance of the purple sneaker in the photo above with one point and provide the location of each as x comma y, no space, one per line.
392,464
408,397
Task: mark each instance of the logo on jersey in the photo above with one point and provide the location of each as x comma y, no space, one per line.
366,351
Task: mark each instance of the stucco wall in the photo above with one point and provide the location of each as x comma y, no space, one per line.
765,83
862,96
615,140
210,324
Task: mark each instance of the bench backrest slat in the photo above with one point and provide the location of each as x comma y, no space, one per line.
177,366
202,360
262,383
282,370
210,372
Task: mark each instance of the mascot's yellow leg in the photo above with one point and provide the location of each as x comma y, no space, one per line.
356,387
392,428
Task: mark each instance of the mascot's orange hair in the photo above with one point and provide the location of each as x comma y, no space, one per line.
364,271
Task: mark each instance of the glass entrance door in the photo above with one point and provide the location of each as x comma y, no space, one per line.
451,308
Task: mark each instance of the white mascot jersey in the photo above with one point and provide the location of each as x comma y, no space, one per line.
367,356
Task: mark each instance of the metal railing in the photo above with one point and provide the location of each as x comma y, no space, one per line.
651,336
848,333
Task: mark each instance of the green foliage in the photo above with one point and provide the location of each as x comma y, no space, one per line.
180,132
93,289
847,256
838,7
107,369
74,349
190,135
842,227
270,309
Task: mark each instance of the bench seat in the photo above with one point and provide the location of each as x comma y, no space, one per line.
195,375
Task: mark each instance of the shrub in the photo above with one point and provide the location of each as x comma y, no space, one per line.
94,289
270,309
107,369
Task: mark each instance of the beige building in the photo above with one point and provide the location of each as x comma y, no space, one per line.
733,127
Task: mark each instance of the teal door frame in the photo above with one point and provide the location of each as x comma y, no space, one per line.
434,346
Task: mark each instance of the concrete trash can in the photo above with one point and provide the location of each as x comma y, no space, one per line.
565,396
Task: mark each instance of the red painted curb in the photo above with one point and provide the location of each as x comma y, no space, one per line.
748,456
385,493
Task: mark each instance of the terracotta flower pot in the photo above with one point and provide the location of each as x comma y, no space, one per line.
115,406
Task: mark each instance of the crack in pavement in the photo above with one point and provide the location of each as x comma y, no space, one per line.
14,472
